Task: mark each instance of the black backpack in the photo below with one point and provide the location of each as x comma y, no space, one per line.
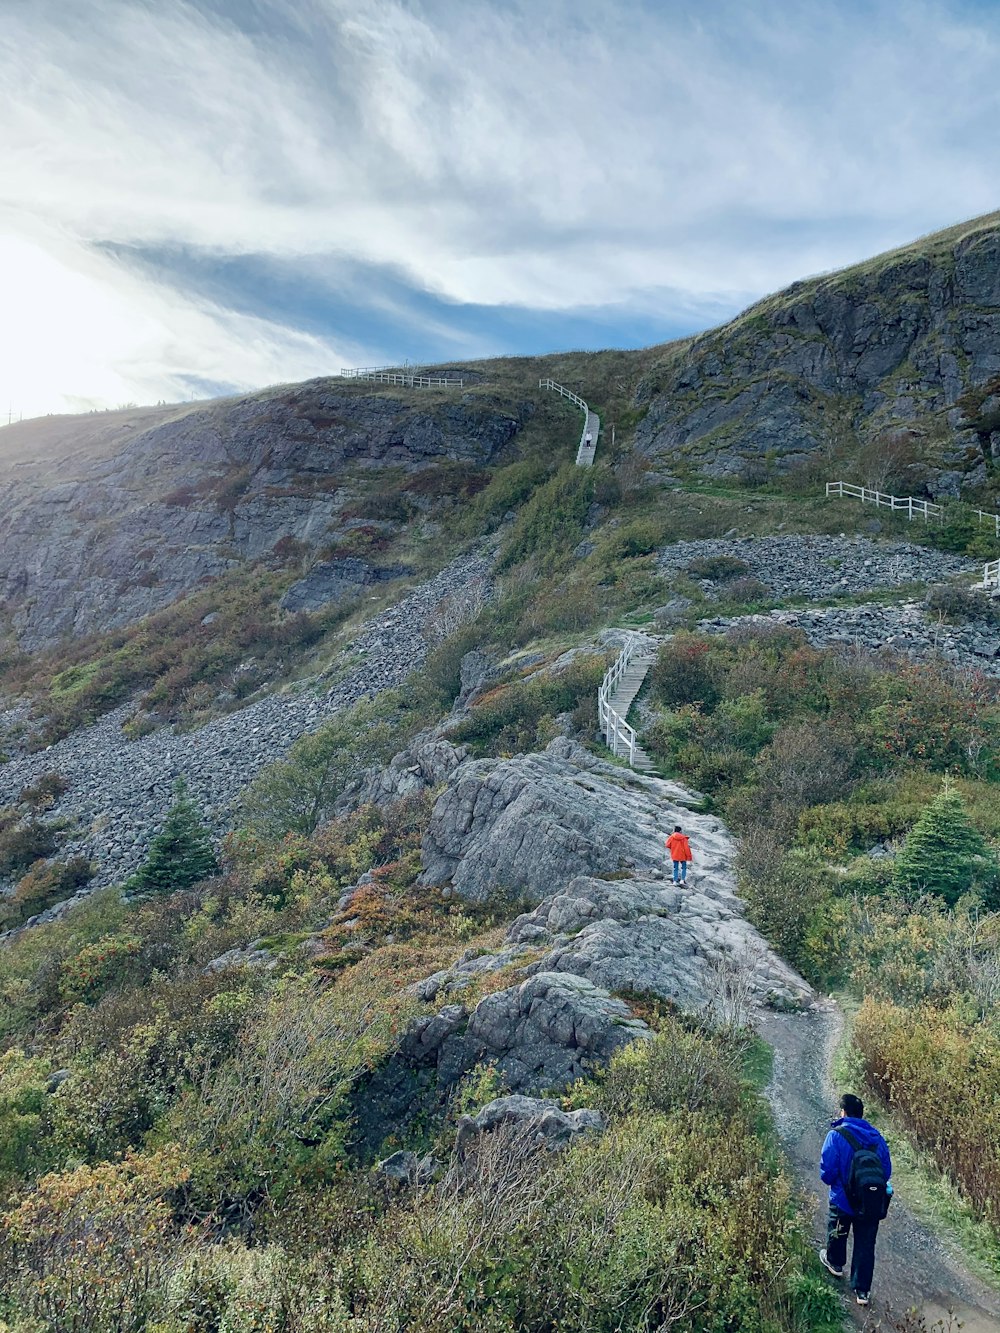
866,1182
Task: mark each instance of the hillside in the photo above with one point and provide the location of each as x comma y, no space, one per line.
343,986
901,352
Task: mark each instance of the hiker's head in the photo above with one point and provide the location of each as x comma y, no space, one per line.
677,828
852,1106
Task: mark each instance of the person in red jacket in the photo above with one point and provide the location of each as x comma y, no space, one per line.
680,852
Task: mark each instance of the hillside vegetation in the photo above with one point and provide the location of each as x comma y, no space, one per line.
194,1064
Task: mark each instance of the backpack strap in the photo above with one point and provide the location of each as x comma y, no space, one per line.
846,1134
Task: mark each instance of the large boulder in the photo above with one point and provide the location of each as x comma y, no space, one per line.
522,828
692,947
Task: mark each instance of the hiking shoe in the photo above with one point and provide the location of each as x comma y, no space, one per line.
837,1272
863,1298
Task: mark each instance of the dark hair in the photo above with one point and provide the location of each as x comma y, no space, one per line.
677,828
852,1106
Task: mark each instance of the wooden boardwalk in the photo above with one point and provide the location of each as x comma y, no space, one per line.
624,697
591,425
585,453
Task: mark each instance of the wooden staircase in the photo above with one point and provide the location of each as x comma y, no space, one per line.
624,696
622,682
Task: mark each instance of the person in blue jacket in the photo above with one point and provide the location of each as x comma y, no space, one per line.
835,1171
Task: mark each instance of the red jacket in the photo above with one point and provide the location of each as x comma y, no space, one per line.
679,847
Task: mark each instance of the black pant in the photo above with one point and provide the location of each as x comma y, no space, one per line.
838,1227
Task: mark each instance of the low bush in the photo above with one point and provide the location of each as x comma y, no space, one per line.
551,522
21,845
941,1076
46,883
506,719
958,604
45,792
716,568
686,671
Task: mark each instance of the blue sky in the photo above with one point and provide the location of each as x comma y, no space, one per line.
212,194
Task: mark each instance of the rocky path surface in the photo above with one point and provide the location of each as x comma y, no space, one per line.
914,1269
120,790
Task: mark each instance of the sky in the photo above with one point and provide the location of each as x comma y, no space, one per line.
206,196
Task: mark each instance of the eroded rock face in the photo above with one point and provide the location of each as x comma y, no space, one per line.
688,945
542,1119
101,541
529,823
522,827
888,346
543,1033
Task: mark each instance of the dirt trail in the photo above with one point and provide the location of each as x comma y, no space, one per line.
914,1269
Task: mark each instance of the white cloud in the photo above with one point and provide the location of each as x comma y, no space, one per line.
548,154
79,332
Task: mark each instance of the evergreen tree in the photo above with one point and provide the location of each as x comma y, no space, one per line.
943,853
181,854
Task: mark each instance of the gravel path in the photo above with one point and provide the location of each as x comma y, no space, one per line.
120,789
914,1268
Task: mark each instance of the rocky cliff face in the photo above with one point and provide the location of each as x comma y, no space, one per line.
889,347
99,539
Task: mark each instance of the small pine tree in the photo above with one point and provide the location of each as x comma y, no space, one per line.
181,854
943,853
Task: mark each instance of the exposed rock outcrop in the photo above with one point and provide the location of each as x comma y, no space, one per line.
589,941
118,533
890,345
525,826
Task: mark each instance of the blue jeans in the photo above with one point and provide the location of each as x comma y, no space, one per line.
680,872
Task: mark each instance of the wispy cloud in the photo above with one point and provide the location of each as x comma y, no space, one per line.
661,161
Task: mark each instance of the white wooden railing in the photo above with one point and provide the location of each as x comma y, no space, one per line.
907,504
566,393
591,422
411,381
992,519
618,735
925,509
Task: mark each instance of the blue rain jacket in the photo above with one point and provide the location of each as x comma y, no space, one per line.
835,1161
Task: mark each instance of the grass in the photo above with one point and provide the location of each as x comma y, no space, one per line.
929,1196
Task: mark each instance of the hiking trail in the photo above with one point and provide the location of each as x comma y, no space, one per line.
914,1267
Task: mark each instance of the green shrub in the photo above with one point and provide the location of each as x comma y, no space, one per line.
945,855
551,523
506,719
686,671
941,1076
181,854
787,894
959,604
296,794
21,845
45,792
89,1249
716,568
46,883
25,1106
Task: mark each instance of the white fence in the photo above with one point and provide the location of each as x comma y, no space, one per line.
992,519
566,393
591,423
907,504
385,376
618,735
920,509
